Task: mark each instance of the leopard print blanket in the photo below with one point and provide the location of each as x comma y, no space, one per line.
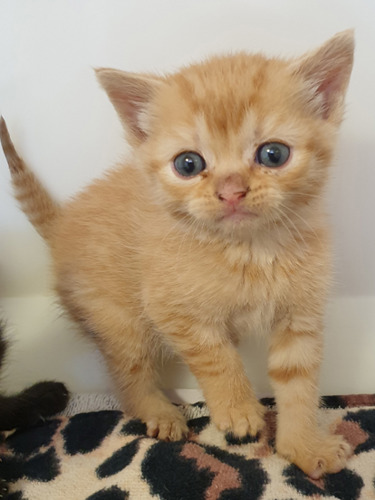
104,455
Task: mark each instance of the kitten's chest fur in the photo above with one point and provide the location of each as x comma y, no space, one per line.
240,285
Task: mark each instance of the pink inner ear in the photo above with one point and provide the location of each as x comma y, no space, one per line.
329,88
328,71
129,106
130,95
132,112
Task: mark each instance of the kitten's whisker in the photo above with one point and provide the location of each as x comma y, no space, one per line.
305,193
171,229
289,224
302,220
272,225
294,227
285,225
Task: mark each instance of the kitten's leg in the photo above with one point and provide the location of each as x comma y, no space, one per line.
218,367
294,362
131,356
138,381
131,350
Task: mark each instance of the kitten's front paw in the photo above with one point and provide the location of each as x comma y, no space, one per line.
167,426
240,420
318,455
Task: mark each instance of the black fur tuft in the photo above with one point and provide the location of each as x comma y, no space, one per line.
32,405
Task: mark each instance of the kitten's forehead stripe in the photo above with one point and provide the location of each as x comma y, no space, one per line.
224,89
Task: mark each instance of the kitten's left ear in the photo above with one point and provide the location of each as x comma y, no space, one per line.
327,72
130,94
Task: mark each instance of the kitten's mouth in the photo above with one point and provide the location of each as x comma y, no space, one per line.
237,215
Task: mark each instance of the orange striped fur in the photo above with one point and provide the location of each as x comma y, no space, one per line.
33,198
145,258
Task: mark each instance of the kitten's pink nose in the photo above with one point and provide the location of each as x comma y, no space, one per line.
232,190
232,198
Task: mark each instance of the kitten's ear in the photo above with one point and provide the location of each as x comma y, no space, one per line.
130,94
327,71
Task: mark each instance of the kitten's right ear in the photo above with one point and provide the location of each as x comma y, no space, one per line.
327,72
130,95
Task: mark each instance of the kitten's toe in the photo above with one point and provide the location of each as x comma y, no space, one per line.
167,427
317,456
241,420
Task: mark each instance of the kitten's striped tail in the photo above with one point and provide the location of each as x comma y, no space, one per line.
34,199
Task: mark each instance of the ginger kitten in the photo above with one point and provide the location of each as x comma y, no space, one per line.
214,229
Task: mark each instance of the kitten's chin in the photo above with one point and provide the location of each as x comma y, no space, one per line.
239,224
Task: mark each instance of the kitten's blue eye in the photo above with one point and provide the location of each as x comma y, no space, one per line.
273,154
189,164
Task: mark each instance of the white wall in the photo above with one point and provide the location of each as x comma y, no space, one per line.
65,127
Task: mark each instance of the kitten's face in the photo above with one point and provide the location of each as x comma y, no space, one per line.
235,145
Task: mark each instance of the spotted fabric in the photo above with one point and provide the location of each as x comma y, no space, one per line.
104,455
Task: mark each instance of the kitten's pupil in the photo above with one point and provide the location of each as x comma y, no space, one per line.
273,154
189,164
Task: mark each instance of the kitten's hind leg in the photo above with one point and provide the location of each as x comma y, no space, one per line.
138,382
131,354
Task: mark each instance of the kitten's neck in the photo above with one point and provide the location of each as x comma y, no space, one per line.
260,245
264,243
